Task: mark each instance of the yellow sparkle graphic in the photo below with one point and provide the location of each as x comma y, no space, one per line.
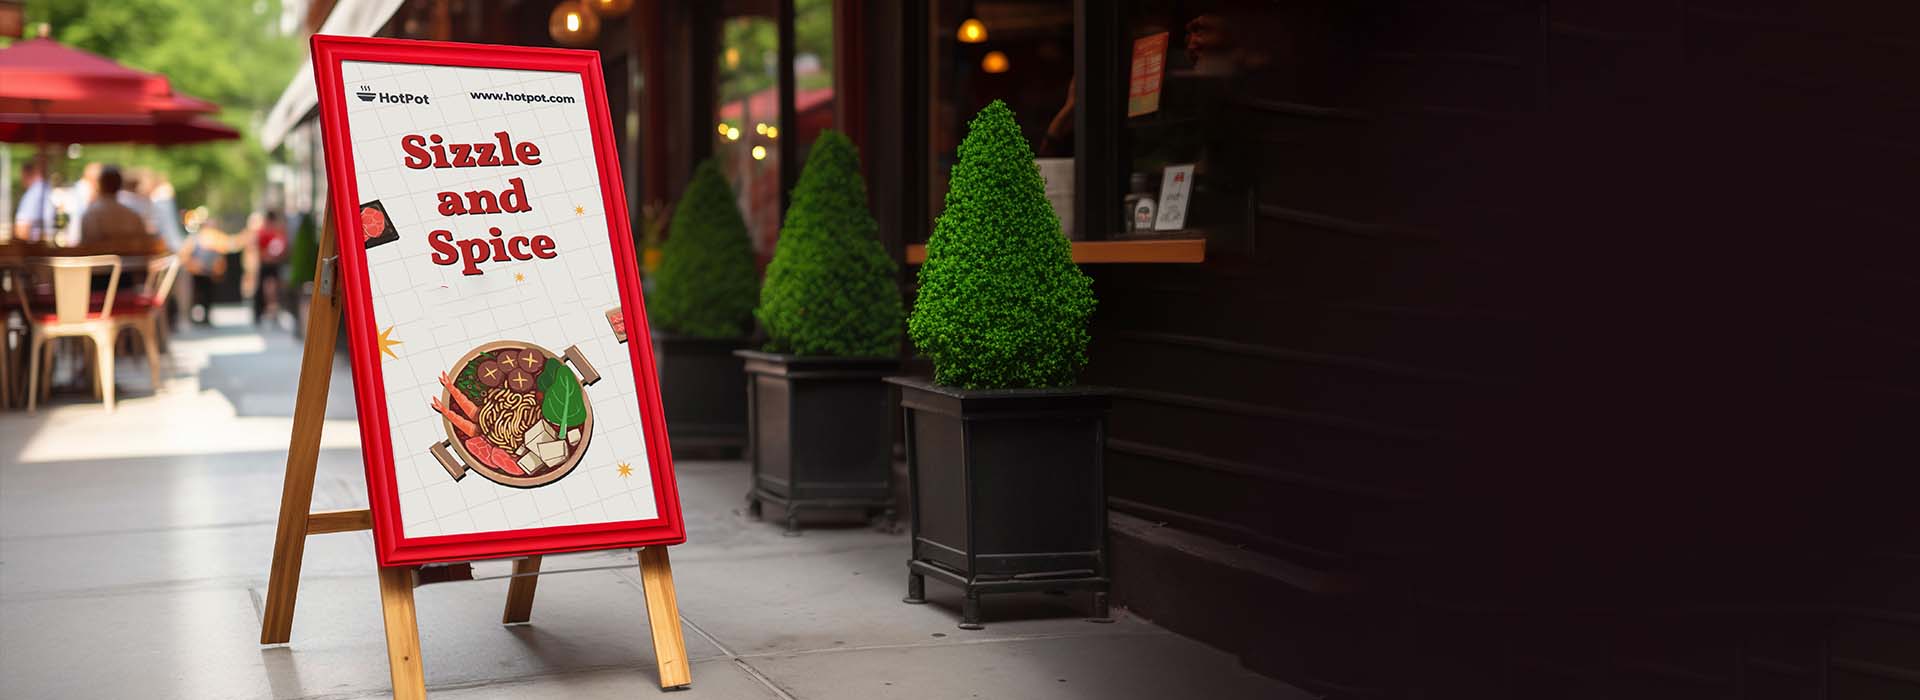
517,277
579,210
625,470
386,343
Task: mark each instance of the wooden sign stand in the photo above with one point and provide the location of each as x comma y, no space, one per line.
297,522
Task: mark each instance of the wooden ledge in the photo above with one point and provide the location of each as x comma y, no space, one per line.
1164,250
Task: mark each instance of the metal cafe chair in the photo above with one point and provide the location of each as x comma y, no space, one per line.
76,313
143,310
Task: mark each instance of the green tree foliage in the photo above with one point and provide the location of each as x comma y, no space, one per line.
1001,304
230,52
830,289
706,285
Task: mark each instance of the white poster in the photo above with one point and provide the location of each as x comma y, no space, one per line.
510,397
1176,188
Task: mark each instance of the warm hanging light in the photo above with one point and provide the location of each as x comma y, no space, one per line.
733,133
995,62
733,58
609,8
721,127
759,152
972,31
573,24
760,128
773,132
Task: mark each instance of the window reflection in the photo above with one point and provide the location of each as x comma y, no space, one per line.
1192,68
749,127
1025,57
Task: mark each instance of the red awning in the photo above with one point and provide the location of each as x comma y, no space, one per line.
15,128
41,76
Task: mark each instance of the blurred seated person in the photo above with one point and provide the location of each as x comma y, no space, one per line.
134,184
110,228
34,221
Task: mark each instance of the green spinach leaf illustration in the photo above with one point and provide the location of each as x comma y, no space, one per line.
563,406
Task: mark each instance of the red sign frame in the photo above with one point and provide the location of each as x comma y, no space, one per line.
391,547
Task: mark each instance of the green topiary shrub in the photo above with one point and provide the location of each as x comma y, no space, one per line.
830,288
1001,304
706,285
306,244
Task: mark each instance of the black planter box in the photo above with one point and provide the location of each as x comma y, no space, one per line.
818,427
1006,491
702,392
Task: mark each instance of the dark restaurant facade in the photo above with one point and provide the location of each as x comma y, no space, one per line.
1408,401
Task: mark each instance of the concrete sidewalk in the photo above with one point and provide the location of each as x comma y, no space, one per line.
134,549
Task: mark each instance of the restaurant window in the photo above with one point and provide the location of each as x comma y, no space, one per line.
1188,148
752,124
749,96
1018,51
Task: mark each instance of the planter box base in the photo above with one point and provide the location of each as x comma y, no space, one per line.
759,496
918,570
1006,491
818,430
704,395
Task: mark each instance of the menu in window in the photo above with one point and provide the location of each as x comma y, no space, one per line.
1149,65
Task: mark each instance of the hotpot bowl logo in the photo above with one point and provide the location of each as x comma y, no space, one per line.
367,94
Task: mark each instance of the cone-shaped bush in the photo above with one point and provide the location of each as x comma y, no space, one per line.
306,245
830,288
706,284
1001,304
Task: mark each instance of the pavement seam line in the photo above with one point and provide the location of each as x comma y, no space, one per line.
764,680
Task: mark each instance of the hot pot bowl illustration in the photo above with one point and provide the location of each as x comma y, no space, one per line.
516,413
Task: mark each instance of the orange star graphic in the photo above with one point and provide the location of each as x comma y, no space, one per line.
517,277
626,470
579,210
386,343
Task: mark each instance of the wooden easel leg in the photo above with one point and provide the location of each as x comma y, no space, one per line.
520,591
303,450
663,615
403,633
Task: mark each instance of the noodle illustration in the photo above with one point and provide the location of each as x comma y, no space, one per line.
505,416
515,412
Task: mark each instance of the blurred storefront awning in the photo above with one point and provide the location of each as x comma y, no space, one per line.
348,18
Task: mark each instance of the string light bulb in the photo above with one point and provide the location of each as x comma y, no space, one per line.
572,24
759,152
733,133
995,62
972,31
609,8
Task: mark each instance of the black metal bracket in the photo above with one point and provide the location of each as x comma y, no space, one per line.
329,278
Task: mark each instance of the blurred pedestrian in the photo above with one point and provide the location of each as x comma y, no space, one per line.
267,248
34,220
205,251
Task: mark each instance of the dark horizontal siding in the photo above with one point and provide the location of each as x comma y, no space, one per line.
1526,319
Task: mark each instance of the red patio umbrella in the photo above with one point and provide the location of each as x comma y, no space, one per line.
113,129
42,77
